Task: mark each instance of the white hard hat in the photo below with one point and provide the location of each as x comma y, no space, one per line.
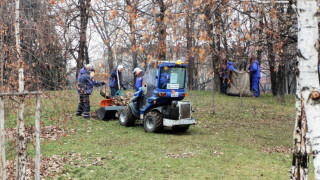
120,67
136,70
88,66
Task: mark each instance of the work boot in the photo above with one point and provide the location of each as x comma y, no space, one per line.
78,113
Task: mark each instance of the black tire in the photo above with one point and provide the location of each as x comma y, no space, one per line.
153,121
183,128
126,117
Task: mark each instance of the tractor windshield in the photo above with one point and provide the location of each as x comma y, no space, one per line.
150,79
172,77
150,76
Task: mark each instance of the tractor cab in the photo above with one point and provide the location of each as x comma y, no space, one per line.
163,84
159,102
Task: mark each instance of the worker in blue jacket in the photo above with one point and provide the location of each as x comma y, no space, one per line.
164,79
85,70
223,78
84,88
113,84
230,66
139,74
255,76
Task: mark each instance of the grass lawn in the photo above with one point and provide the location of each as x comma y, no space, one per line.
248,138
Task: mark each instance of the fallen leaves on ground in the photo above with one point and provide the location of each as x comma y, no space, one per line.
79,160
94,115
49,167
98,162
277,149
216,153
52,167
48,132
183,155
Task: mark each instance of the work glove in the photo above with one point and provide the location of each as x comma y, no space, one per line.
124,88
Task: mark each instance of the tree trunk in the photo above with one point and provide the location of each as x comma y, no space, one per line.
272,57
134,62
217,59
307,126
110,59
190,57
259,51
225,45
210,33
162,31
1,65
272,67
281,82
21,142
133,14
282,75
84,7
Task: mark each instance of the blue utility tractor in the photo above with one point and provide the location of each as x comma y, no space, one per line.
159,102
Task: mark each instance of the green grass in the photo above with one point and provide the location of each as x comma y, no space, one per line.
227,145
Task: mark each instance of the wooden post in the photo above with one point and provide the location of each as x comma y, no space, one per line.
38,132
2,142
117,66
21,150
21,141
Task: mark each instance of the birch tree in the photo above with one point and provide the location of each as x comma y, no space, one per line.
306,131
21,141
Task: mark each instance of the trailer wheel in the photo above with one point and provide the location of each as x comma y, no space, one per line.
180,128
126,117
153,121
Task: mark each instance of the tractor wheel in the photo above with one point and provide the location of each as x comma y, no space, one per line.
180,128
153,122
126,117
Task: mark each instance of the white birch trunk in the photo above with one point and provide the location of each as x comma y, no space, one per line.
2,142
307,126
17,29
21,141
38,132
